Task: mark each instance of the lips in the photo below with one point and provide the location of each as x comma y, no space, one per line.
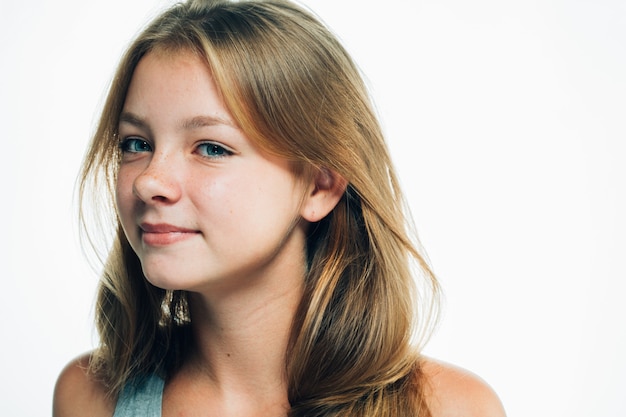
163,234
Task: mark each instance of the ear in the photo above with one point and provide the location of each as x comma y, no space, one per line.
324,193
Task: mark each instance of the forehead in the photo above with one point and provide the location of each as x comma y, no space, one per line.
175,85
193,72
159,67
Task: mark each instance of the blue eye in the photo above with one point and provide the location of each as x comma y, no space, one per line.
212,150
135,145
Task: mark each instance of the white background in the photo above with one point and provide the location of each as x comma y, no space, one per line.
507,123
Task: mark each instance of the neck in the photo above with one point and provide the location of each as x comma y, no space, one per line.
241,338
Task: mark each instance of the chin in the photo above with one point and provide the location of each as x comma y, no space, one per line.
163,281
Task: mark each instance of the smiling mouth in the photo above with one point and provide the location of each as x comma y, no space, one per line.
164,234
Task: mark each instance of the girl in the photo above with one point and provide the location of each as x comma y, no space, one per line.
262,264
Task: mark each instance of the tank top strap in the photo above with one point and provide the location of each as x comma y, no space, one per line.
141,397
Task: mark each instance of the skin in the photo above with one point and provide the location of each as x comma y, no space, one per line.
191,182
208,212
450,392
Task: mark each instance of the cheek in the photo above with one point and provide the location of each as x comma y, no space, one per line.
272,195
217,198
231,203
124,193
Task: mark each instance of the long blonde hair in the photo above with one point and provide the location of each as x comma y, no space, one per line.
294,90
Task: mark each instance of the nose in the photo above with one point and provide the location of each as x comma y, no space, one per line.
159,182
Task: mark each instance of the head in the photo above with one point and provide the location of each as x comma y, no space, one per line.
295,92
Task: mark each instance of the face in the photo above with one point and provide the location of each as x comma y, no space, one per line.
200,204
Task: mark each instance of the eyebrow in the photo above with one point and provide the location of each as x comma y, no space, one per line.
133,119
196,122
204,121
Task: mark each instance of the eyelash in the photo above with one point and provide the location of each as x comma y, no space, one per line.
127,143
213,150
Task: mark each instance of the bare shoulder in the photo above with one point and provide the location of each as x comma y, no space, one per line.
77,394
454,392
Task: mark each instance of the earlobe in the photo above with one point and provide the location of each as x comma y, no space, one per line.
324,193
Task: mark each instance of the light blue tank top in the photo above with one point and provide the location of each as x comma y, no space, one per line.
141,398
